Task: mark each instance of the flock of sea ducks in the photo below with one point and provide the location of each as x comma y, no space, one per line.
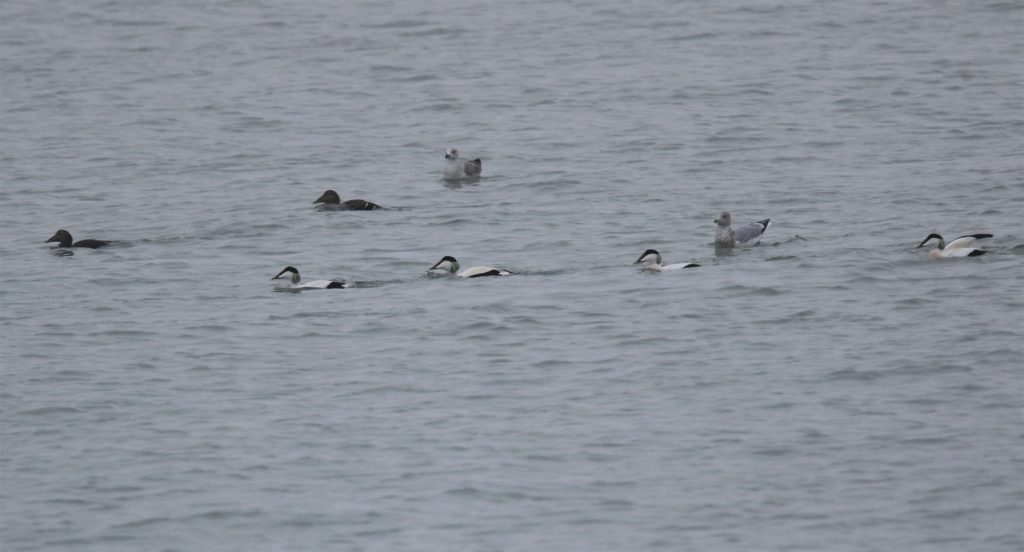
458,168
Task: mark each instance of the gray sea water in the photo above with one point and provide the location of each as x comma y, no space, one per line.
829,389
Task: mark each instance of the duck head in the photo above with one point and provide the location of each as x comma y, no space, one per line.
942,242
447,263
650,258
288,270
330,197
62,237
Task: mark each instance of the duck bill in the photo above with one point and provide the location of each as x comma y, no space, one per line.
53,238
279,274
322,199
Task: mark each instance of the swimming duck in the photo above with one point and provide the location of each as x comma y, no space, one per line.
726,236
459,168
315,284
960,247
451,266
652,261
331,200
63,239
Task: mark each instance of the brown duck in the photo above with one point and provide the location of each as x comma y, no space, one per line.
63,239
331,200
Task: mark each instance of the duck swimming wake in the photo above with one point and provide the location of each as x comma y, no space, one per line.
63,239
451,266
458,168
726,236
315,284
331,201
960,247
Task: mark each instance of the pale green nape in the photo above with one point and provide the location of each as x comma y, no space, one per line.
295,277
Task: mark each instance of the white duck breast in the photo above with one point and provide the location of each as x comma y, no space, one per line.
459,168
727,236
960,247
293,275
651,260
450,265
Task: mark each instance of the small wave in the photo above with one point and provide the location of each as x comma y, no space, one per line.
397,24
689,37
209,328
438,31
144,522
122,333
50,410
850,374
754,290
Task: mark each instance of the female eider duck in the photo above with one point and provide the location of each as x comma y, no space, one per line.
459,168
451,266
960,247
63,239
651,260
726,236
331,201
315,284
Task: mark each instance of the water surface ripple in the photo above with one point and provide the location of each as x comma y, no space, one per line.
831,389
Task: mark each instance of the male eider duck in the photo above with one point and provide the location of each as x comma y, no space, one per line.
651,260
726,236
331,200
459,168
63,239
451,266
960,247
315,284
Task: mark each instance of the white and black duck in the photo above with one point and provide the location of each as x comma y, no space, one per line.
651,260
292,274
449,265
960,247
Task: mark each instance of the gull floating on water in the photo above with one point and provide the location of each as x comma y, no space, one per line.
652,261
960,247
63,239
459,168
451,266
315,284
331,200
726,236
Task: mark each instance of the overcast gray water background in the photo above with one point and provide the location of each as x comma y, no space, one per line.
830,389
